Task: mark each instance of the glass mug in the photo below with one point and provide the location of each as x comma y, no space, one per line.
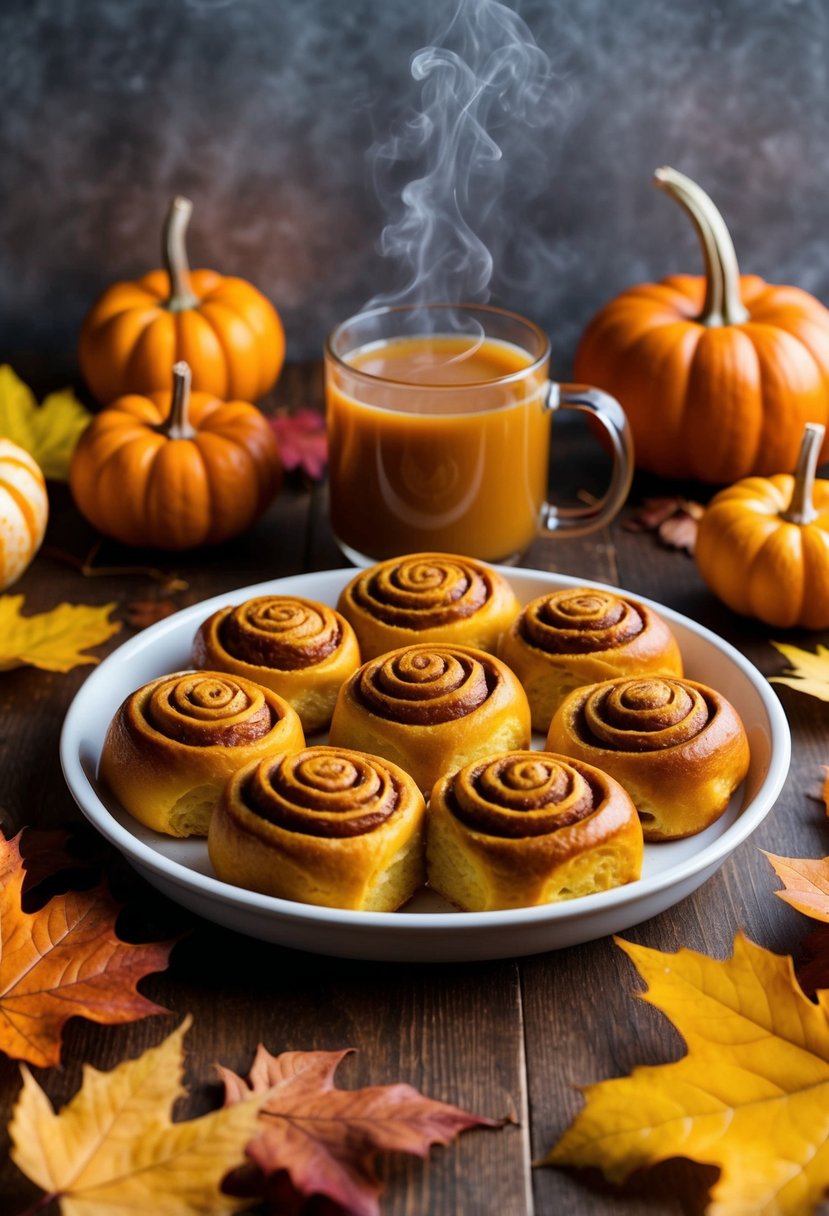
439,423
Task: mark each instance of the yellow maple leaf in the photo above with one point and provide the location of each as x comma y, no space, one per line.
114,1150
751,1096
809,672
48,431
52,640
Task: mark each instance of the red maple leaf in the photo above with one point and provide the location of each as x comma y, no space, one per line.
327,1140
64,960
302,441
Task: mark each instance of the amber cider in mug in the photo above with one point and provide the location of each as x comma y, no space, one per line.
439,424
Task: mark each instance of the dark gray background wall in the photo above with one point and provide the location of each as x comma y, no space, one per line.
264,113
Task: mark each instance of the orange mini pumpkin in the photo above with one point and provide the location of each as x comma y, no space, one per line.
763,544
227,331
717,374
175,470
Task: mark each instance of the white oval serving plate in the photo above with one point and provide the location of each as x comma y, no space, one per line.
428,929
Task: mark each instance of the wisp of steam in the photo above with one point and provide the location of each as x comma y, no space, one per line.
470,142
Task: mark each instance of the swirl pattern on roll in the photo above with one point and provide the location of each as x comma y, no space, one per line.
423,591
644,715
521,794
280,631
580,621
426,684
323,791
206,709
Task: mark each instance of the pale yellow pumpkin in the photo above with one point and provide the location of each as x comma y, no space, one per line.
24,510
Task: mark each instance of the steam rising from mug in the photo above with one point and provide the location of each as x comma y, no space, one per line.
485,90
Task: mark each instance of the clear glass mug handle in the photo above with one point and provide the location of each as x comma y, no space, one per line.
578,521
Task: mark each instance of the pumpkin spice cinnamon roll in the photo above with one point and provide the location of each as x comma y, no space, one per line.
428,597
431,709
678,747
173,743
529,828
298,647
328,826
581,635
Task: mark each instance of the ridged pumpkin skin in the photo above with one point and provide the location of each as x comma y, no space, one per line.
223,327
717,374
761,563
24,511
142,486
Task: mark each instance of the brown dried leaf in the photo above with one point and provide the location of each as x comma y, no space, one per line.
652,513
675,521
64,960
680,532
140,613
328,1139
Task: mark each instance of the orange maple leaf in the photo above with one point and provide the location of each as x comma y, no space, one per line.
806,882
806,888
328,1139
61,961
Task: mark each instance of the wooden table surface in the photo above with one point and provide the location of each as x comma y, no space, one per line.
513,1037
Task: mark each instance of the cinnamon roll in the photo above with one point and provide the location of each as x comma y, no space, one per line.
679,748
428,597
529,828
301,649
325,825
174,742
581,635
431,709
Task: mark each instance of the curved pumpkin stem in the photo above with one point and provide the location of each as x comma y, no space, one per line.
723,303
174,252
177,423
801,509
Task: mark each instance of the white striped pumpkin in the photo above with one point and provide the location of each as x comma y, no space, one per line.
24,509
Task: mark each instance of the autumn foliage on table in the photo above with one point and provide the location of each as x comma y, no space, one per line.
285,1131
61,961
750,1096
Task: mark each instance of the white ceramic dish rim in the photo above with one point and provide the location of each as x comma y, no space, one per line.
430,923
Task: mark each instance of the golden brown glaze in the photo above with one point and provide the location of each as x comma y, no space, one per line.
677,746
326,825
431,709
174,742
300,648
428,597
528,828
582,635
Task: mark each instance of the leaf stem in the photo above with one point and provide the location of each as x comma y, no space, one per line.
85,565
